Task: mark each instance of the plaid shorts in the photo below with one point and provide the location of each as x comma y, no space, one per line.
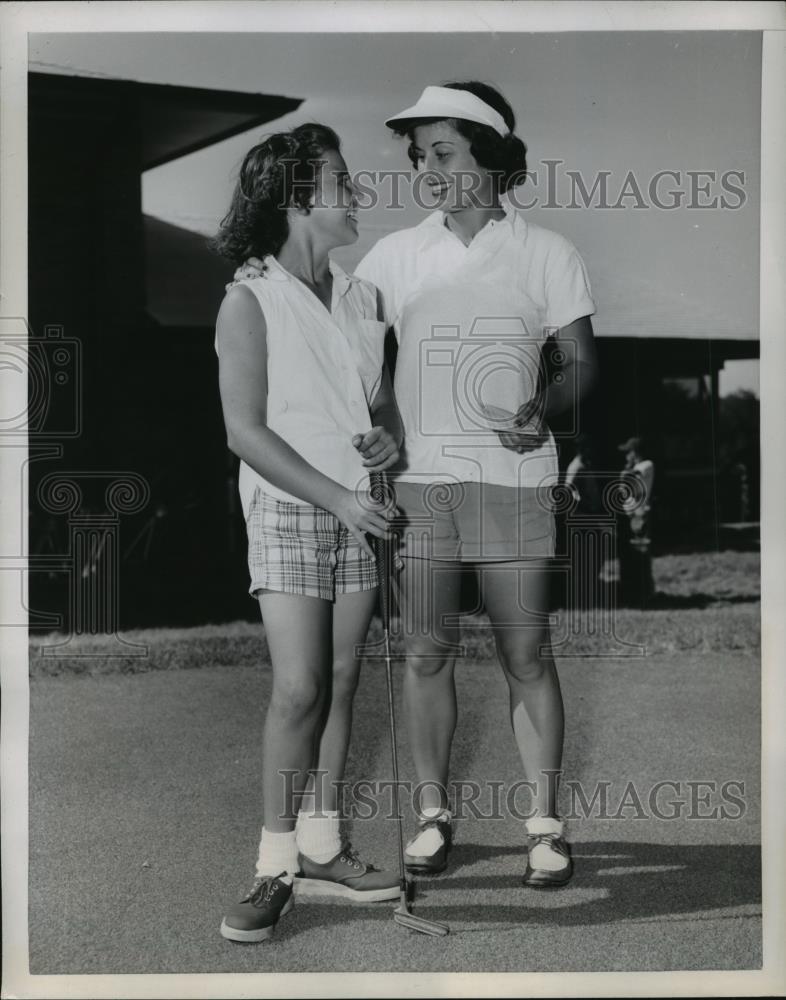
299,549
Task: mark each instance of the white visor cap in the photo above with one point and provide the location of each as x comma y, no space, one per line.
444,102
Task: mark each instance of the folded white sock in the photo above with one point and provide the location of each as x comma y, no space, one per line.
433,812
277,853
428,842
318,835
542,855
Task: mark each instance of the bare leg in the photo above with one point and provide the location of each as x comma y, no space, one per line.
299,637
351,617
516,599
429,591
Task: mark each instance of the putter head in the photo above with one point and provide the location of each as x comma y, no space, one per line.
419,925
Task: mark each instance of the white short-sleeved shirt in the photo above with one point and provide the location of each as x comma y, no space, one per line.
471,322
645,471
324,369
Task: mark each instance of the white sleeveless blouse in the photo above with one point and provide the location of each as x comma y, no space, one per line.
324,369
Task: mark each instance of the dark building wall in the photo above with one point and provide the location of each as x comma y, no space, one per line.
149,395
661,390
85,248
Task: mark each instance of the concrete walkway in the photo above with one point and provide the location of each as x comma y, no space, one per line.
145,811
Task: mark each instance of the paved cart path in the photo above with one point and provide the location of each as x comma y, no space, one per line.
145,812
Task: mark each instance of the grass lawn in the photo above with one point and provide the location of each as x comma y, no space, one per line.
725,576
707,601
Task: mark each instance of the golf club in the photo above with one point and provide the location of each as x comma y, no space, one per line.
403,914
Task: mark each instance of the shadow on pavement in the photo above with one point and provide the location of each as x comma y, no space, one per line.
613,881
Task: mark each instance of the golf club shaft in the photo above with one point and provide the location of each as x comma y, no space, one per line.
402,872
403,914
382,548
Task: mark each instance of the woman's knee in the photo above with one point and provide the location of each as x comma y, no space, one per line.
346,674
429,661
528,664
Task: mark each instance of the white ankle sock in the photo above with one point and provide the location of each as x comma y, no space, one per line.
429,841
277,853
318,835
542,855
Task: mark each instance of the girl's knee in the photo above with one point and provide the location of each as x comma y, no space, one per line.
297,700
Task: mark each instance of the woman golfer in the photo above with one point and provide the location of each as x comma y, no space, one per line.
300,348
472,293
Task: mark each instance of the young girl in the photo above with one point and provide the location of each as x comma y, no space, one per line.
300,348
472,293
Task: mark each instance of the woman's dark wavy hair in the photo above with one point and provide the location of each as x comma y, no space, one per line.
503,156
279,172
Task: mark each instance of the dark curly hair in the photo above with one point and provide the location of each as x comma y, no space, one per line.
503,156
279,172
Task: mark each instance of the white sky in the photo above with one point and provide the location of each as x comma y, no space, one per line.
620,102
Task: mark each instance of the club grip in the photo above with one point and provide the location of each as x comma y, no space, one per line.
382,549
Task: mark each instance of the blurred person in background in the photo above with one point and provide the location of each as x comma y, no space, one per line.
635,524
582,479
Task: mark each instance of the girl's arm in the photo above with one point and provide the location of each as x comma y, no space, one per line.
242,352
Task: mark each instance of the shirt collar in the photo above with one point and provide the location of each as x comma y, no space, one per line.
513,218
341,279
